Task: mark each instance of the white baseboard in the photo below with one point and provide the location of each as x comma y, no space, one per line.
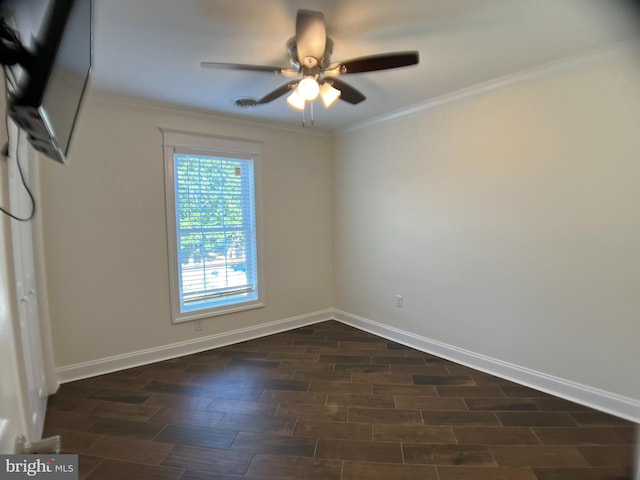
143,357
618,405
614,404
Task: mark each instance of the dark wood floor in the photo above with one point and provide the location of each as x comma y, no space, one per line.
329,402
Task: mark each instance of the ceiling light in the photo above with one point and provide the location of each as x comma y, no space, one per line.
295,100
308,88
328,94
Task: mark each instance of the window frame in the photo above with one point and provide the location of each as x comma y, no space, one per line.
175,141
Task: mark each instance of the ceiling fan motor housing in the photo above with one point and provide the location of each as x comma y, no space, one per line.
320,63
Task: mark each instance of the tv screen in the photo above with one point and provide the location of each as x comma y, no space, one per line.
49,82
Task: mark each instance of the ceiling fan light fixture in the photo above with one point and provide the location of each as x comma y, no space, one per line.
328,94
308,88
295,100
312,73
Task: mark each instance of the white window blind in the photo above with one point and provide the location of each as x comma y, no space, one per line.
215,246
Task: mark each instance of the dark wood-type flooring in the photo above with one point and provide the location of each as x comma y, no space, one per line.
329,402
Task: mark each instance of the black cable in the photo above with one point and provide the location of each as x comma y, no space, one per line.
11,49
21,172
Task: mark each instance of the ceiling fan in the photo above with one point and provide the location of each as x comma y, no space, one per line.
313,73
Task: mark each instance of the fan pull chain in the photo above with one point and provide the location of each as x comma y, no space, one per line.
311,117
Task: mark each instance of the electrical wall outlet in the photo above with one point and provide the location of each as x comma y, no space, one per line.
197,325
399,301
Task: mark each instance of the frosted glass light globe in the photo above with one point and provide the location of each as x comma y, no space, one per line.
296,101
308,89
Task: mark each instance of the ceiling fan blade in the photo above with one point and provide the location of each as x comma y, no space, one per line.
311,37
251,68
278,92
375,62
347,93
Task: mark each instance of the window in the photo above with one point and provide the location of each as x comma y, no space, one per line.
212,225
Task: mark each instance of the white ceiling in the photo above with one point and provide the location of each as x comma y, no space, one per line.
152,49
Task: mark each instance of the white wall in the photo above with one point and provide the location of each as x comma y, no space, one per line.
105,232
509,221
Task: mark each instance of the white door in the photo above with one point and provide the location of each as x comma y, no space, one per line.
29,348
23,379
12,415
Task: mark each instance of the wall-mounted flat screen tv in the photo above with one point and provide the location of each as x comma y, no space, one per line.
48,82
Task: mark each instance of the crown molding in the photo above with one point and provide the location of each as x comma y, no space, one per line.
494,85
